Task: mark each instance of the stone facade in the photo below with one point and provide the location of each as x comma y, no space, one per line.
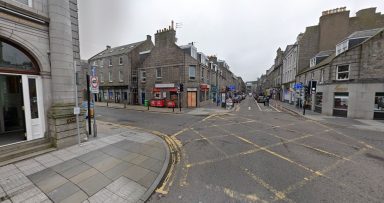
51,37
365,79
119,80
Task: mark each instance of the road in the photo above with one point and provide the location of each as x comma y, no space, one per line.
259,154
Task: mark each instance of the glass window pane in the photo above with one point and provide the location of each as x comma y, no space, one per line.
341,101
12,58
22,1
33,98
379,102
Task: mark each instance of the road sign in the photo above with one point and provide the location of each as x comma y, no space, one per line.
94,85
298,85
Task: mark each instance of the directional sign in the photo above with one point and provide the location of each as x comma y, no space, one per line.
94,85
298,85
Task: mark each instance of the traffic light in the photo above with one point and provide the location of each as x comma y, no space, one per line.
181,87
306,91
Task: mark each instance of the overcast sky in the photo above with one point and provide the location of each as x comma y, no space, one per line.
244,33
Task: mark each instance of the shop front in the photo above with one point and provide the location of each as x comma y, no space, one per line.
204,92
164,95
22,114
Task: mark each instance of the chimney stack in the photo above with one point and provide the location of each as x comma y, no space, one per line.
108,47
149,38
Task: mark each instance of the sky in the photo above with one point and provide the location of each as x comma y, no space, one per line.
244,33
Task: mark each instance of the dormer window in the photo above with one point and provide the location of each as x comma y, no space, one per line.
342,47
312,62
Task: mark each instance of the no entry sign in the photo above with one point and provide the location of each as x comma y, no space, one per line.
94,84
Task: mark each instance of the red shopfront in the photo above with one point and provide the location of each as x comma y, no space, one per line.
164,95
204,92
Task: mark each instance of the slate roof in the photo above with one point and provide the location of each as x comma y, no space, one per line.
364,33
116,50
325,53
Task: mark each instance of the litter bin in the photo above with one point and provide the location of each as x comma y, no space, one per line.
146,103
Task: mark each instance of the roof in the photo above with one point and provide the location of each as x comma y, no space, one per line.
116,50
364,33
325,53
322,63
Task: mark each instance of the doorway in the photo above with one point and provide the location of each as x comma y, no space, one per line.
12,115
191,96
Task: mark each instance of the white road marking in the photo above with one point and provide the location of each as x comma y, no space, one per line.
257,104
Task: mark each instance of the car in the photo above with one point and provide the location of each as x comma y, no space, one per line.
260,99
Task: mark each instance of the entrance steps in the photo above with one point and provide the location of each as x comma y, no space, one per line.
24,150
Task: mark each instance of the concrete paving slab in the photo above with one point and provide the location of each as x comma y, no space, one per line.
151,164
66,165
94,183
83,175
50,183
117,171
136,173
78,196
148,179
63,192
69,173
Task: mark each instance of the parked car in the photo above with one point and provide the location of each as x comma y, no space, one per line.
260,99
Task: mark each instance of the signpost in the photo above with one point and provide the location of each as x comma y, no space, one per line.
94,89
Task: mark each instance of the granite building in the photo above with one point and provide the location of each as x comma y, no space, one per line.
117,70
350,77
39,43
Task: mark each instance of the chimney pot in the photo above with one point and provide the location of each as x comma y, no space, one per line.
108,47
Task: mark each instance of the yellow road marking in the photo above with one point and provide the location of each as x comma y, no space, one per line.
210,142
236,195
180,132
244,153
322,173
278,194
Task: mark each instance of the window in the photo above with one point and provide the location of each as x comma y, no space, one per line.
158,73
110,62
321,76
120,60
342,72
121,76
101,62
341,100
379,102
143,76
192,72
26,2
94,63
13,59
110,76
101,77
312,75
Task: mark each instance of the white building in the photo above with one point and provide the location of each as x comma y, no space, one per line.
289,73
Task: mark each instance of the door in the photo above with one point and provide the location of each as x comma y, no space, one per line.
191,98
34,113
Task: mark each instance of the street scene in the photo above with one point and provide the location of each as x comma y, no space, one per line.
191,101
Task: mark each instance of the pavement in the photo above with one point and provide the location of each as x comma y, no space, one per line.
120,165
362,124
208,109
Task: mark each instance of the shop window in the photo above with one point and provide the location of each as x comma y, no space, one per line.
379,106
192,72
340,106
15,60
318,102
342,72
157,95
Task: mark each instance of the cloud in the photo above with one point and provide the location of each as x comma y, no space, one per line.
245,33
